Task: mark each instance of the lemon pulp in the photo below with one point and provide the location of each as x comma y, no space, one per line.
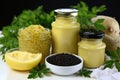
19,60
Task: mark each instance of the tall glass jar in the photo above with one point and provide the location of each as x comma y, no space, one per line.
91,48
65,31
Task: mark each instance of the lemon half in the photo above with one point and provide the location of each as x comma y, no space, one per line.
19,60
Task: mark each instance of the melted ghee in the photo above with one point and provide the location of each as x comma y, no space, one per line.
92,51
65,34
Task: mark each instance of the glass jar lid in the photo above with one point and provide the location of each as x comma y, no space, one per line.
66,12
91,34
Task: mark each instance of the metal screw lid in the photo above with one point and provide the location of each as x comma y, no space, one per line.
66,12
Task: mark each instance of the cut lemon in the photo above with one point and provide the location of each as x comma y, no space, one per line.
19,60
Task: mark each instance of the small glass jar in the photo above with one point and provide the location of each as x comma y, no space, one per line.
91,48
65,31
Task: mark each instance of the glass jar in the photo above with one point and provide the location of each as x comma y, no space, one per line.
35,39
65,31
91,48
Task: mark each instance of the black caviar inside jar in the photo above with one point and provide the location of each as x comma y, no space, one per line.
91,33
64,59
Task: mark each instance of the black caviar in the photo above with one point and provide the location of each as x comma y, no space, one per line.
64,59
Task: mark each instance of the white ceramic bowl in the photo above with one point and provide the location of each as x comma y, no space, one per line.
64,70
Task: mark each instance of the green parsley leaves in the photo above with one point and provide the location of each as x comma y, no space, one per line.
115,59
84,72
38,71
85,16
26,18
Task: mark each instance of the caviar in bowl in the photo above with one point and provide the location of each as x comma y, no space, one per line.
64,63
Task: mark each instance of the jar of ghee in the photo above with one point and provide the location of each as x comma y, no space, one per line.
91,48
65,31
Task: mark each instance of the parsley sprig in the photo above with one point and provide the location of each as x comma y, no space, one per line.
85,15
115,59
38,71
84,72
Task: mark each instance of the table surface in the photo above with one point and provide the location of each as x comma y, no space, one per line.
6,73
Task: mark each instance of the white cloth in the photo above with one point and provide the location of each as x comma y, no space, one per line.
105,74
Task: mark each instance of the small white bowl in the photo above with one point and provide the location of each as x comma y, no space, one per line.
64,70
